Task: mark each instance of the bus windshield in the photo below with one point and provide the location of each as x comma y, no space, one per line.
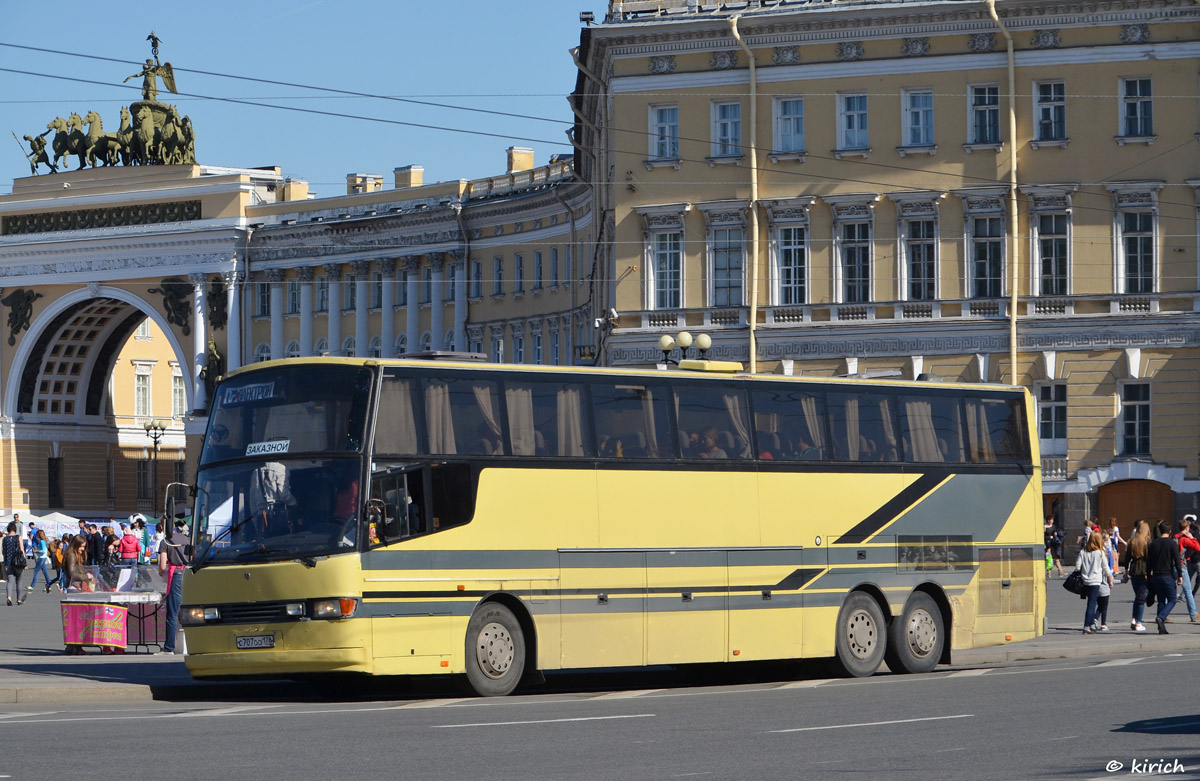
308,408
276,509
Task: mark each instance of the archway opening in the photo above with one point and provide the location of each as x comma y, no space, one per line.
1132,500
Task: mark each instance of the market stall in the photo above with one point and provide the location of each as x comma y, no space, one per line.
124,609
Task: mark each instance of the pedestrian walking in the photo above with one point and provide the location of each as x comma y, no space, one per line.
174,555
1093,567
1162,565
15,562
55,551
1114,531
1054,541
1134,565
1188,544
41,560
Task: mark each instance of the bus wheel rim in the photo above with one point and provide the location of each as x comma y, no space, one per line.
861,634
494,650
922,633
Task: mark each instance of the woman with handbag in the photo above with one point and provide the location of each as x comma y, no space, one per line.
13,551
1092,565
1134,564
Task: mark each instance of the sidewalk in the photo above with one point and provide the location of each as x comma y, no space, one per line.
34,670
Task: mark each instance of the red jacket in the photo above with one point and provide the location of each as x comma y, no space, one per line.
130,547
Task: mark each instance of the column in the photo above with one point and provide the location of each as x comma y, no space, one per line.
362,289
275,276
333,273
437,304
460,299
413,264
306,311
199,341
233,304
387,315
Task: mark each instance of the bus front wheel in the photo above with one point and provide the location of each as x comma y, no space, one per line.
916,637
495,651
861,636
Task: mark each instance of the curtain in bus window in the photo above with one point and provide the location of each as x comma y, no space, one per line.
977,433
651,439
853,441
485,397
396,423
717,417
437,415
813,418
521,431
631,420
920,437
735,405
789,422
863,426
888,447
996,429
569,406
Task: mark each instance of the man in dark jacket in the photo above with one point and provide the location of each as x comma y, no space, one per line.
95,544
1164,572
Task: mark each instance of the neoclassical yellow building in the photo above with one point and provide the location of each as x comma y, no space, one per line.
830,188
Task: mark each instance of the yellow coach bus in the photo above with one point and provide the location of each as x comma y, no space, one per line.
415,517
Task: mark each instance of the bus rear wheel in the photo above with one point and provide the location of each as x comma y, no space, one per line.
495,651
916,637
861,636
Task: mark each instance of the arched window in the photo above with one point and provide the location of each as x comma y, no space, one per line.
376,348
401,344
426,342
348,347
262,353
292,350
321,347
449,341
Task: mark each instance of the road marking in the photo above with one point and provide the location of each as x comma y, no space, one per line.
802,684
543,721
222,711
432,703
948,750
1121,662
626,695
20,715
1064,737
968,673
876,723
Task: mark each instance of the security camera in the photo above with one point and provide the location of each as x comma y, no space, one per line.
612,314
599,322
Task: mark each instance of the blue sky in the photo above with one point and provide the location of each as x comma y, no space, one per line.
501,56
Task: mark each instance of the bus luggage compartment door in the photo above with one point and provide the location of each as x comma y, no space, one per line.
686,605
603,607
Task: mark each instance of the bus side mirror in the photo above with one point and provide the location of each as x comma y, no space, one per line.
169,509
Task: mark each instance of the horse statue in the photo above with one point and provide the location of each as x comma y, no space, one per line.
189,135
105,147
145,138
172,143
125,137
69,139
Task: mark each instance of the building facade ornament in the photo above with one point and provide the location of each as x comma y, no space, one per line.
114,216
915,47
662,64
362,268
274,275
388,267
980,43
1135,33
306,273
437,261
722,61
786,55
1045,39
333,271
412,263
850,51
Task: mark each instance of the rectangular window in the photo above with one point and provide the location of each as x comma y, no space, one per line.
1052,419
918,117
426,284
144,490
667,271
518,273
569,260
350,291
402,288
178,396
631,420
537,349
376,289
497,351
789,125
547,419
463,417
1137,243
143,329
793,262
664,132
856,262
727,260
497,276
141,396
518,349
727,129
789,424
1135,419
262,296
863,426
179,472
450,283
537,271
987,257
931,428
555,348
110,479
852,121
1052,254
554,267
985,114
1051,109
1137,110
713,422
322,294
54,484
920,243
476,279
293,296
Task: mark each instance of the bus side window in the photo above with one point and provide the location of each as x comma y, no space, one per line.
396,425
931,428
790,424
996,430
721,416
546,419
463,416
631,421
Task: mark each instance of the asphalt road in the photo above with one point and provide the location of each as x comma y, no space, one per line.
1067,719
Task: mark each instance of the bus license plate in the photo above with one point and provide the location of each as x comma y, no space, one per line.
256,641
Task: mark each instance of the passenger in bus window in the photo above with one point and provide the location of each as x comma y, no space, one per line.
346,505
708,445
804,449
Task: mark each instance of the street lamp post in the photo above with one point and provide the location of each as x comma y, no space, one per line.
155,429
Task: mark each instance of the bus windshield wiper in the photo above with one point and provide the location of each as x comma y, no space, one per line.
229,531
260,550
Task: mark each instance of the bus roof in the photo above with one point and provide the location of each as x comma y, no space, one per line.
609,371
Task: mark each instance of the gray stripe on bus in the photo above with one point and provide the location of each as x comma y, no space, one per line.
988,500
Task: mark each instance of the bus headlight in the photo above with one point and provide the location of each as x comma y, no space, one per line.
343,607
195,616
294,609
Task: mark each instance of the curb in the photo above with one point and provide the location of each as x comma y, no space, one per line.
1014,653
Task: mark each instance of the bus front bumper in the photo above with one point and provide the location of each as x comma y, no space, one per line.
279,663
